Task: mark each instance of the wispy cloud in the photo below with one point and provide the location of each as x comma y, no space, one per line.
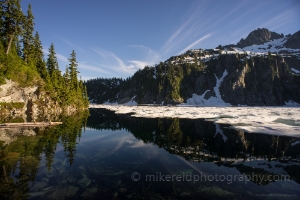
150,58
184,30
195,43
280,19
62,58
113,62
71,44
139,64
195,24
92,68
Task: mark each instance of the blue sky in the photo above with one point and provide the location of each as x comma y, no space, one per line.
117,37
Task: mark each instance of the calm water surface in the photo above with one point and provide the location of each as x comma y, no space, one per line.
119,157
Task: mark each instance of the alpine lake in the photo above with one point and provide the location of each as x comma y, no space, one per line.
102,155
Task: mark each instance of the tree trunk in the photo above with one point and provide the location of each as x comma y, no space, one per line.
9,44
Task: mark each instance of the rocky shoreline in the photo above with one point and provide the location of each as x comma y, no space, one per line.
27,104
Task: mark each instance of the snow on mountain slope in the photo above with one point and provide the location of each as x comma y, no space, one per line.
131,102
271,46
199,100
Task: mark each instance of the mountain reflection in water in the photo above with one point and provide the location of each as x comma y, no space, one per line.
121,157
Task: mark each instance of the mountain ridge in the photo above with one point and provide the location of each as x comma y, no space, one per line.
266,73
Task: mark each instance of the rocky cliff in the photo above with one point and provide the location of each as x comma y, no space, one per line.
260,81
24,104
293,42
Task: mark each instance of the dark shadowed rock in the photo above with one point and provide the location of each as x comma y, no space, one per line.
294,41
258,36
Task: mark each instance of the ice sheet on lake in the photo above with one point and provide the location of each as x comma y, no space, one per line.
268,120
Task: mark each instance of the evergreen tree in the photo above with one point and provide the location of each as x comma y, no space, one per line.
28,39
18,47
39,58
66,97
54,72
73,70
85,96
12,22
67,77
52,63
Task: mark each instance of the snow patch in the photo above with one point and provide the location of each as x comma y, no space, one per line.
131,102
212,101
295,71
291,103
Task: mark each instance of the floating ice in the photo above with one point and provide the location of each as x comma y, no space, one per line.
251,119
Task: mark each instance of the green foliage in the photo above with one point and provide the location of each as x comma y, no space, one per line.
13,18
25,64
13,67
17,105
28,39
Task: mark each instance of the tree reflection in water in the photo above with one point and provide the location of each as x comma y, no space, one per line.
200,141
20,159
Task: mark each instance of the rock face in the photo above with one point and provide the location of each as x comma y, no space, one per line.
37,105
257,82
10,134
294,41
258,36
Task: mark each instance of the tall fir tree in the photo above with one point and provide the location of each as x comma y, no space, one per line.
13,19
53,70
73,70
52,63
28,39
18,47
39,58
85,96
